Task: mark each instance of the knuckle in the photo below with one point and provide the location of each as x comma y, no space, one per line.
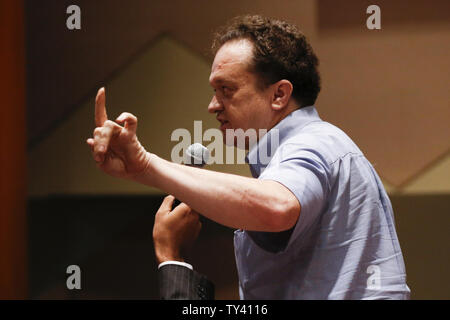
130,117
187,209
108,132
99,149
160,214
109,124
97,131
103,134
159,211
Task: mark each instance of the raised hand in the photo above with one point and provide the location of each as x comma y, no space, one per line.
115,148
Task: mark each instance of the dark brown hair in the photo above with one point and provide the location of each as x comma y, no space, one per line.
280,51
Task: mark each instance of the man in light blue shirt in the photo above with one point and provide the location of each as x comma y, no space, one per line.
344,246
314,221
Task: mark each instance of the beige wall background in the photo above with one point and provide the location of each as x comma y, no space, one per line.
388,89
167,88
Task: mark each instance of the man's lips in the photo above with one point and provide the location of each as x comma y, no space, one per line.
224,124
221,120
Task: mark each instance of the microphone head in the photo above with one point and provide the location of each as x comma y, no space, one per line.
197,155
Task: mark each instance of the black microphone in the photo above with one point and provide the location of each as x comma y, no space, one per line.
196,155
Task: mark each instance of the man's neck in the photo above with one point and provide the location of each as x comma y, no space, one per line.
283,114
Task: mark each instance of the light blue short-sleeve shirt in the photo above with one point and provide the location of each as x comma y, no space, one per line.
344,244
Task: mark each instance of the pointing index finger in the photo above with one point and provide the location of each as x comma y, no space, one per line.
100,108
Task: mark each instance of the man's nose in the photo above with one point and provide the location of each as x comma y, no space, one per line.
214,105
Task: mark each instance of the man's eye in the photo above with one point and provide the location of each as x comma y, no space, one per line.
223,90
226,90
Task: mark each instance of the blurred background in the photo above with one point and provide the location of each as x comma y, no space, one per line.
387,89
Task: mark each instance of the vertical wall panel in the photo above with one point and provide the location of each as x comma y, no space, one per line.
13,279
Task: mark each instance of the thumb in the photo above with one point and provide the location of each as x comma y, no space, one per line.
166,205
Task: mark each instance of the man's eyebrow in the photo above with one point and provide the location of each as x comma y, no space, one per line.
219,80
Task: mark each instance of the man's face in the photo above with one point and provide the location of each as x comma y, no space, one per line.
238,101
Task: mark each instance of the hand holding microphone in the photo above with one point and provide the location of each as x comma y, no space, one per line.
174,231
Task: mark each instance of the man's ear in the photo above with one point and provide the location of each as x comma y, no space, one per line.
282,92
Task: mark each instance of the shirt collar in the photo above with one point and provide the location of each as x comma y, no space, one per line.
286,128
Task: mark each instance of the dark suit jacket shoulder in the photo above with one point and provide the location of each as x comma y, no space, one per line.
181,283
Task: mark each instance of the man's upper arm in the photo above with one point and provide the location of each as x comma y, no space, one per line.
305,173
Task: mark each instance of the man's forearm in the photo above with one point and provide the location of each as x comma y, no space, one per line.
231,200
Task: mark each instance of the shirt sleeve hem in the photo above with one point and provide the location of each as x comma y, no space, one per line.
184,264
